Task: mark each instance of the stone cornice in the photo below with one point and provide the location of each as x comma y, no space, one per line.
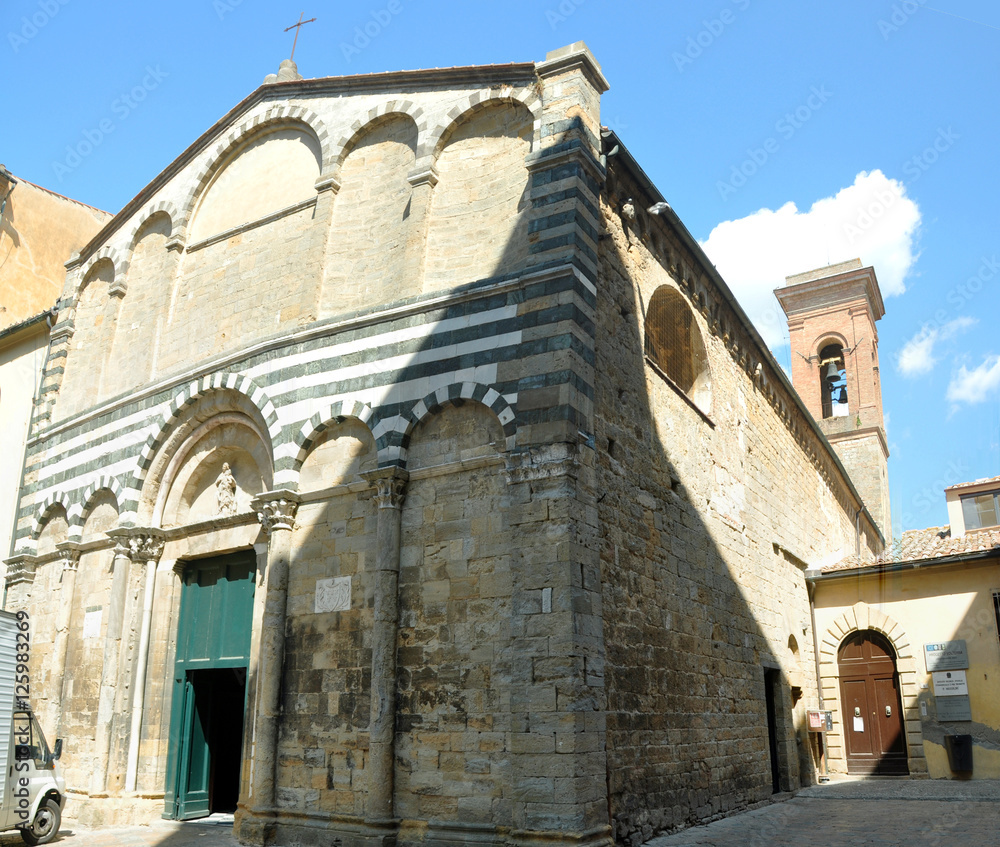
575,56
542,462
857,284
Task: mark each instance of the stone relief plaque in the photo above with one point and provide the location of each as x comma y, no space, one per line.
334,594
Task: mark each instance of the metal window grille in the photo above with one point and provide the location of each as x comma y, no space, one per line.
668,338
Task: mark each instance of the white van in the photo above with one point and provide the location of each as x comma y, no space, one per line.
34,791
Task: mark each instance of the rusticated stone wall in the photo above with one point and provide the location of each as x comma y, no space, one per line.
710,509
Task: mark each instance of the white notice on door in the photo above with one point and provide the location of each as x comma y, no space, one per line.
859,724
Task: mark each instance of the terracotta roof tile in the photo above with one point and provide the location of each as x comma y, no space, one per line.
974,482
917,545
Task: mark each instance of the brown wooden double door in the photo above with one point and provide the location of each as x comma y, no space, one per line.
872,706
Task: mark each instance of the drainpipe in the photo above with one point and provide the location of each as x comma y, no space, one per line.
811,588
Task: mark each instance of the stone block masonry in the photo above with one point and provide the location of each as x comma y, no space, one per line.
512,583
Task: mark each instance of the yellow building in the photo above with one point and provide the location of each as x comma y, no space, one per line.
909,648
39,231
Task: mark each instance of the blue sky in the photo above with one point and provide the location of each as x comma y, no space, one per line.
785,135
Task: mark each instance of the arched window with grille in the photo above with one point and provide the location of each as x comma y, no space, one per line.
673,343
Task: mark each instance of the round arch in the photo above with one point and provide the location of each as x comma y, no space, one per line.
860,617
437,138
92,491
826,339
164,207
45,509
286,471
276,117
367,121
191,394
452,394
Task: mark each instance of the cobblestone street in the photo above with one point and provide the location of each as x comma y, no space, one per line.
882,812
849,813
216,831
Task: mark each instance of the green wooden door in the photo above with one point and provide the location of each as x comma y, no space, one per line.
213,632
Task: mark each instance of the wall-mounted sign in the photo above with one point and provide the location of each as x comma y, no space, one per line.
946,656
820,720
956,708
950,683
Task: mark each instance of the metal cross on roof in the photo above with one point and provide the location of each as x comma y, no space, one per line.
296,28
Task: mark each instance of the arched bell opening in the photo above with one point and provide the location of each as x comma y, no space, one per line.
833,381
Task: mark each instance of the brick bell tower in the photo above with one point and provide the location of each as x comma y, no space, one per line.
831,321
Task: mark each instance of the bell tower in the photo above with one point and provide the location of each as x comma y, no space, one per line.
831,322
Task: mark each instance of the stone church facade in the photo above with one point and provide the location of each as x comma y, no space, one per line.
404,473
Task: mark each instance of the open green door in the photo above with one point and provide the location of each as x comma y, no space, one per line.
209,688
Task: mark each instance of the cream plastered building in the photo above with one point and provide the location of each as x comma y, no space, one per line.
405,473
39,231
935,587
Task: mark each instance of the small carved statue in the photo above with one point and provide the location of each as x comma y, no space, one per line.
225,487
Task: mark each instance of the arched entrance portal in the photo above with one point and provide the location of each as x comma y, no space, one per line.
872,708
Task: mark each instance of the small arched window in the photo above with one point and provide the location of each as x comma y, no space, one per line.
833,381
673,343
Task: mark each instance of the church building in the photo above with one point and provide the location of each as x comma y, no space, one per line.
404,473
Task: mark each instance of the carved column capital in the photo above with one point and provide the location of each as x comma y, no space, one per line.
20,568
141,545
276,509
389,484
70,552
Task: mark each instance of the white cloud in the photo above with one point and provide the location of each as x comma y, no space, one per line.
872,219
973,386
917,355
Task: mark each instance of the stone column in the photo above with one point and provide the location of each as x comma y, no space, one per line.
110,671
70,553
70,565
276,513
389,483
146,546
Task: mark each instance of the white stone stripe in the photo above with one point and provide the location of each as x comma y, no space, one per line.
402,392
80,441
288,450
357,345
423,331
408,390
124,466
421,357
82,457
